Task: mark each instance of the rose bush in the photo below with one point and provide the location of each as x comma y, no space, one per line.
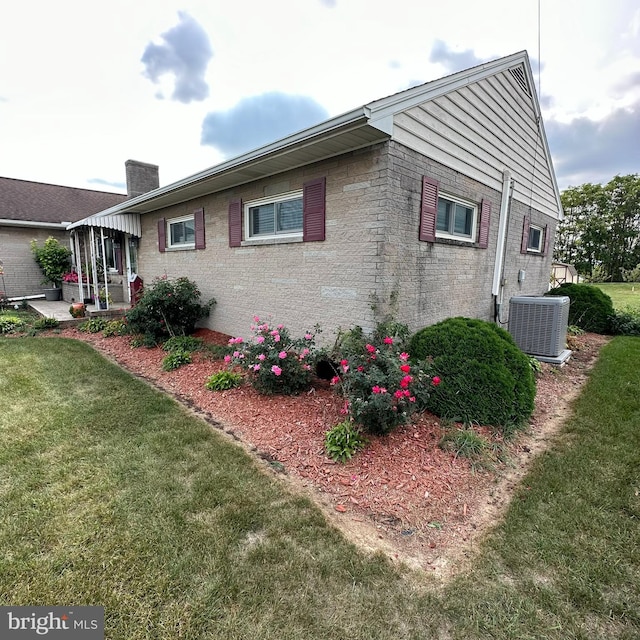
381,388
276,362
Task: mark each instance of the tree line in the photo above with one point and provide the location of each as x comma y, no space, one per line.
600,233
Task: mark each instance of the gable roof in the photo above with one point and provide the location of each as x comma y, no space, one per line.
356,129
24,201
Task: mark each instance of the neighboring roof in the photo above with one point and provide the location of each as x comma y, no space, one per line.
356,129
26,201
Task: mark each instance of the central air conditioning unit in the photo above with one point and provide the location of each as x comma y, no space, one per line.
538,324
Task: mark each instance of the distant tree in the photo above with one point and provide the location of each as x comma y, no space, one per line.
600,234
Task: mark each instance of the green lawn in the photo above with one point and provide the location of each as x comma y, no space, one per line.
623,294
112,494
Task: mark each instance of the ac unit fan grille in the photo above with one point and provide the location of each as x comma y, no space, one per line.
539,324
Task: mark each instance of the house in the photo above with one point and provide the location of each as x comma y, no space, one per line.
434,202
35,211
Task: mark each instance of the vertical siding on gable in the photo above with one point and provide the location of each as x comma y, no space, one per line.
480,130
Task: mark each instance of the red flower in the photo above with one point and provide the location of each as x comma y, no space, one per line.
435,381
388,340
404,383
370,348
405,368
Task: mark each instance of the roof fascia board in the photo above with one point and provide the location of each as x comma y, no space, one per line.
417,95
32,224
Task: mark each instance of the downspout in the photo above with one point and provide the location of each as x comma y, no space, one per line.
498,282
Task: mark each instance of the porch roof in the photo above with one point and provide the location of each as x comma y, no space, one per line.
127,222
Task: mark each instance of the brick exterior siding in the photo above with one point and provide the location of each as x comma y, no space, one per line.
370,257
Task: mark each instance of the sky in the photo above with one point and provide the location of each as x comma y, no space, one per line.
185,84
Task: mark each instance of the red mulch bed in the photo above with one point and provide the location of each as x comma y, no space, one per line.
402,494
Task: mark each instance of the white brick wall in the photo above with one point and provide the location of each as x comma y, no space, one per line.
371,251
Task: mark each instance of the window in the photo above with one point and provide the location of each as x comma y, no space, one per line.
296,216
534,242
181,232
451,218
274,217
535,239
455,218
186,232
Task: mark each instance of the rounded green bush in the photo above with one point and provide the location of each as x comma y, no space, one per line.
485,377
591,308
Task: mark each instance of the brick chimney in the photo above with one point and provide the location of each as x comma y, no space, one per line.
141,177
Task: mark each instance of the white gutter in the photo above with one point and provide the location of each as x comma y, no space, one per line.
507,183
32,224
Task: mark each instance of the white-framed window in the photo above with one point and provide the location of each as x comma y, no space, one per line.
534,243
274,217
181,232
456,218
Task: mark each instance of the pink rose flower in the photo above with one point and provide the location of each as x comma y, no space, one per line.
404,356
282,355
261,357
388,340
260,339
308,336
256,367
276,370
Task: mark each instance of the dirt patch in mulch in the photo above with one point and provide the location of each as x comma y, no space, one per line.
402,495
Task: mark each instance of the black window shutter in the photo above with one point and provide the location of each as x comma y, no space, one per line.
314,210
235,223
198,218
546,240
485,217
525,235
162,235
428,209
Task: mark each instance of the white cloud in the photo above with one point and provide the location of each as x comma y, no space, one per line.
75,102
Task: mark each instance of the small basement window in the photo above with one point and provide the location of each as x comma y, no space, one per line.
274,217
456,218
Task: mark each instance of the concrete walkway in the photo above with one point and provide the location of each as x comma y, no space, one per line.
60,310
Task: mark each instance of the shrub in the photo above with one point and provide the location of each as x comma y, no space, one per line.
93,325
10,324
486,378
590,309
626,322
175,359
167,308
182,343
276,362
53,258
343,441
223,380
42,324
115,328
381,389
